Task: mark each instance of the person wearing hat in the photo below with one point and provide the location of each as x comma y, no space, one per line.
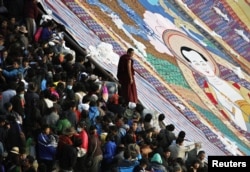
12,161
23,38
66,152
156,163
66,137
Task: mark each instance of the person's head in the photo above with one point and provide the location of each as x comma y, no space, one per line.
179,141
148,117
110,137
134,126
80,59
81,126
4,23
72,104
32,87
197,61
201,155
92,130
130,52
69,57
196,164
161,117
8,106
46,129
70,131
28,161
20,89
2,121
16,64
127,154
177,168
156,158
25,62
170,127
182,134
12,20
70,83
143,163
5,54
166,152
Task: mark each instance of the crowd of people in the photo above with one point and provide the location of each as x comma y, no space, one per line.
58,113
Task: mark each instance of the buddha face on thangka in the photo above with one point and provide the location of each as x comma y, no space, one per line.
222,94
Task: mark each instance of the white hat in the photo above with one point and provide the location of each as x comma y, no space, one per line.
15,150
23,29
131,105
126,126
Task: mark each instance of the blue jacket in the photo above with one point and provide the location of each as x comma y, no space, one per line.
14,73
93,113
109,151
46,150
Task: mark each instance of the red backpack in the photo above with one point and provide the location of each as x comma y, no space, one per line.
38,34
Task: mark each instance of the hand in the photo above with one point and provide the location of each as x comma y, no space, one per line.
198,144
131,81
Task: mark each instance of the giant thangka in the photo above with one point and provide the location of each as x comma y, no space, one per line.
222,124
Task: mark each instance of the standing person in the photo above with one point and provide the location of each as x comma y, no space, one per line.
94,148
125,75
46,148
30,15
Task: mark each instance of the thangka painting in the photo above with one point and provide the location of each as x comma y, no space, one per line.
192,59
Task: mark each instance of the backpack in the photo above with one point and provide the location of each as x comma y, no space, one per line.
38,34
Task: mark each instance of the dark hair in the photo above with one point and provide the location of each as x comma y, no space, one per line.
182,134
86,98
143,161
110,137
127,154
148,117
190,49
201,152
80,58
30,159
68,57
139,107
45,126
166,149
92,103
179,140
170,127
161,117
130,50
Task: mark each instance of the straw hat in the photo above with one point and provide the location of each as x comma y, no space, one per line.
23,29
15,150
